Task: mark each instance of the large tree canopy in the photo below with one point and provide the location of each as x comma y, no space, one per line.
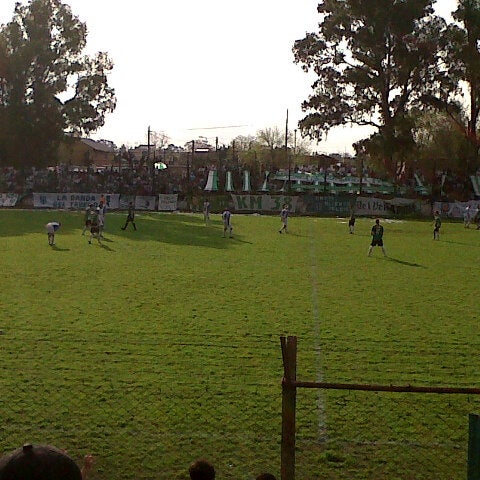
373,62
462,62
48,87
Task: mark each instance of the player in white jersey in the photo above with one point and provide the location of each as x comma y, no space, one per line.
284,218
206,211
101,218
467,217
227,225
51,228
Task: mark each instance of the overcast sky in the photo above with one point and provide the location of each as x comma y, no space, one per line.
187,67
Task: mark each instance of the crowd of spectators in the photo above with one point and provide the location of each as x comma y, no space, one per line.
62,179
140,181
46,462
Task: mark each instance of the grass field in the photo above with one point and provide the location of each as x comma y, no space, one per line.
162,345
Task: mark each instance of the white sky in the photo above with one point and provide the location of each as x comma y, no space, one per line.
182,65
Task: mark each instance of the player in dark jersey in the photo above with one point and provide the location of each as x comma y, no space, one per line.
351,223
130,216
95,228
89,214
437,223
377,237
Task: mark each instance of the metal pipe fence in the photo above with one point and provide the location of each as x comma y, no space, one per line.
370,431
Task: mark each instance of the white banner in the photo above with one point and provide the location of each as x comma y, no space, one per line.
168,202
266,203
371,206
145,202
8,199
76,201
456,209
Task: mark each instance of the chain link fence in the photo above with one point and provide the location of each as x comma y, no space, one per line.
373,431
377,435
145,404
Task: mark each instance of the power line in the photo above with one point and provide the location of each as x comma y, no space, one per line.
216,128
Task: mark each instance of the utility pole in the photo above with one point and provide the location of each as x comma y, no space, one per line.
287,155
295,149
149,165
188,162
217,152
233,156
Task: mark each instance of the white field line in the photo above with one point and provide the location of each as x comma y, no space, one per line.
321,419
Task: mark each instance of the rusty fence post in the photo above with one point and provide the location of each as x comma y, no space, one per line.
289,400
473,472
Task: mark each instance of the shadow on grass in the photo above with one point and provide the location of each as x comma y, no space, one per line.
58,249
240,241
461,243
178,229
104,239
290,234
402,262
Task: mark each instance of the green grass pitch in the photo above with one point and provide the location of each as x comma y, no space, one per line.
162,345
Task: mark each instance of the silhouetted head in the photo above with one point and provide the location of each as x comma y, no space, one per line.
38,462
201,470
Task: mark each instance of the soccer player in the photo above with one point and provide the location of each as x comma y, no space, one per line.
377,237
206,211
351,223
437,222
89,213
95,227
227,223
101,217
130,216
467,218
476,218
51,228
284,218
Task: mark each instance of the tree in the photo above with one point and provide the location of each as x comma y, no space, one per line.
440,144
273,140
48,86
373,61
462,61
247,149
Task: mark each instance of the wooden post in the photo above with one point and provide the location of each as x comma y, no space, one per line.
289,399
473,471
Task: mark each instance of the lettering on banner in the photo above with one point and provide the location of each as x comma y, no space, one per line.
284,200
263,202
241,202
327,205
367,206
8,199
256,202
168,202
279,202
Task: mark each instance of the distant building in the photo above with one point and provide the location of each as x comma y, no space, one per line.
84,152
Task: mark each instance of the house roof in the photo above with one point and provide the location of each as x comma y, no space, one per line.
100,146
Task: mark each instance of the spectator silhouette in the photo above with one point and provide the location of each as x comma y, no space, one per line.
42,462
201,469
